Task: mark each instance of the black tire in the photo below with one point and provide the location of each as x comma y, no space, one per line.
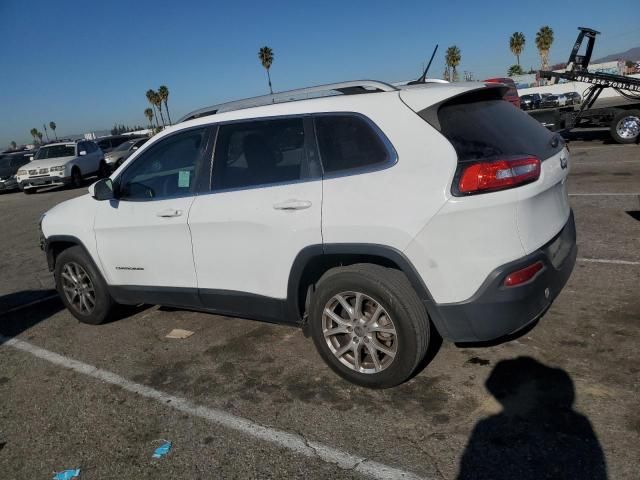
392,291
76,178
103,306
29,191
103,170
619,118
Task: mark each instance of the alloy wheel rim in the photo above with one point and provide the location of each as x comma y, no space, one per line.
78,288
359,332
628,127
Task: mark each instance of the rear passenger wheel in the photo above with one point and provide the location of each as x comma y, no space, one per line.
369,325
625,127
81,287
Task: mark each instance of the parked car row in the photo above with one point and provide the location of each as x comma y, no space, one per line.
65,163
534,101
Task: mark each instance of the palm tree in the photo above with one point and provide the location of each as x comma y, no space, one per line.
34,134
149,114
544,40
452,59
39,134
514,70
152,97
265,54
163,91
52,126
158,102
516,44
13,145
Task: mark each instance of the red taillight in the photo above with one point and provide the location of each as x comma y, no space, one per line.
524,275
498,174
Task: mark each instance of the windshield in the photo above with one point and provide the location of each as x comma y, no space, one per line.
5,161
56,151
123,147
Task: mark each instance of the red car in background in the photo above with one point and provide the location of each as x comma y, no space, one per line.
512,94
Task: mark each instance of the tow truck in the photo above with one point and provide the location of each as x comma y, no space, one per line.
621,114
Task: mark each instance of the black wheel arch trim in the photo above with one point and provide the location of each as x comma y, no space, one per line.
53,239
391,254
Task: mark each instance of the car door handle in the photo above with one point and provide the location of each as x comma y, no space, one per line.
169,212
292,205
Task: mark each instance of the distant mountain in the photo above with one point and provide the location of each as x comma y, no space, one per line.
631,54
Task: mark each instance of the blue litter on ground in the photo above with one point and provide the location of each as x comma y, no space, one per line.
67,474
162,450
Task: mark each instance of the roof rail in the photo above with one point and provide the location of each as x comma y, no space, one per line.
330,89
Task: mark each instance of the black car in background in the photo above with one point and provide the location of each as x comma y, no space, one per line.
9,165
530,101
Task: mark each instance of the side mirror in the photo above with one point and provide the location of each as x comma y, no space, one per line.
102,189
83,153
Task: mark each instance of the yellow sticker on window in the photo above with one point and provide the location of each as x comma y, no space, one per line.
183,178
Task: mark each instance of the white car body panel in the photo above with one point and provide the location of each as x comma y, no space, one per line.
242,242
74,218
390,206
138,247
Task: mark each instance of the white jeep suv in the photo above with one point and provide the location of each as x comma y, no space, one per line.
374,217
64,163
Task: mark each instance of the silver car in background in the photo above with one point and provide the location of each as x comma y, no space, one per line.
119,154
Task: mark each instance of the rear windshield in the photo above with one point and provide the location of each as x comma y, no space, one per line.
493,128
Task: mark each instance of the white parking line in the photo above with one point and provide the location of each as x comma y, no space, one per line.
290,441
611,261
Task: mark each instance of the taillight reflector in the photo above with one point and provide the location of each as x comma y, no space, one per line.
498,174
523,275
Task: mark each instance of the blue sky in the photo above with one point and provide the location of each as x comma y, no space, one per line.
86,65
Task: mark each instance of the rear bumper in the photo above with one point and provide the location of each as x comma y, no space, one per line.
496,311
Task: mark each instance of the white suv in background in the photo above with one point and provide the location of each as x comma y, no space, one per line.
64,163
374,217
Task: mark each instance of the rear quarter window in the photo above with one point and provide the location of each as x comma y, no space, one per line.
349,142
492,128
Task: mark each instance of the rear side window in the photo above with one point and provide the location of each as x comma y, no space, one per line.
493,128
261,153
348,142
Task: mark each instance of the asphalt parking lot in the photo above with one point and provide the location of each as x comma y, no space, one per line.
242,399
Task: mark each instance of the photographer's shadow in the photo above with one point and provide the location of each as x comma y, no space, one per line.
537,435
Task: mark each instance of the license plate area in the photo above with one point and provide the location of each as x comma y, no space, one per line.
558,250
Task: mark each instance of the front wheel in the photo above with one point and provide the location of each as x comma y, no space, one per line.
369,325
76,178
625,127
82,288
